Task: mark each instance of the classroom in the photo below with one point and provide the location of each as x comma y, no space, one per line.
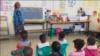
49,28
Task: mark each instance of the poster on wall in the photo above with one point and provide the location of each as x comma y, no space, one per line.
6,7
62,5
71,3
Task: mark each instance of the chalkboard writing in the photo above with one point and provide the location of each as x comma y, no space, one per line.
32,12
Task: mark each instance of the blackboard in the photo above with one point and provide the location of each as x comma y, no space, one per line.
32,12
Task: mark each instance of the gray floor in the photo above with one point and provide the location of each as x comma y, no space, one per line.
6,46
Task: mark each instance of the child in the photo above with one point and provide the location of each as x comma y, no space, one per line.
61,38
55,49
18,20
24,41
91,49
27,51
78,44
21,44
63,42
43,42
43,48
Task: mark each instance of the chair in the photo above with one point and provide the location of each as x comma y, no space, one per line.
17,53
63,49
45,51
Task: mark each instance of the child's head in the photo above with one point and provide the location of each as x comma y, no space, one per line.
61,35
17,5
24,35
27,51
56,46
78,44
42,38
91,41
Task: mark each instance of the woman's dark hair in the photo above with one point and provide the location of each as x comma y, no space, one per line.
16,5
56,46
42,37
28,51
61,35
23,35
91,41
78,43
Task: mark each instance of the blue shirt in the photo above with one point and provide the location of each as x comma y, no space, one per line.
16,17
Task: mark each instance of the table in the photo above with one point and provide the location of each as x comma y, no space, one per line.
70,22
38,23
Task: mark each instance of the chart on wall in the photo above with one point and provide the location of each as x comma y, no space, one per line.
71,3
6,6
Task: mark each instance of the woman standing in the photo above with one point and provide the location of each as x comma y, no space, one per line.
18,20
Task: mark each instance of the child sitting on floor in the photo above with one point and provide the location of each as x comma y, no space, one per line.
43,42
78,44
91,49
55,49
62,39
63,42
43,48
24,41
27,51
21,44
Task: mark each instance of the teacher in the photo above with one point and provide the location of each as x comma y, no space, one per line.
18,20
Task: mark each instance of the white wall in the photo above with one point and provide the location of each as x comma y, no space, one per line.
53,5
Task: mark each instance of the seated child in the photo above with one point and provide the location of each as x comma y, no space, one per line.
24,41
43,42
78,44
27,51
41,45
91,49
21,44
63,42
61,38
55,49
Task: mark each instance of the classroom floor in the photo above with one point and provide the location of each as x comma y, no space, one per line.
6,46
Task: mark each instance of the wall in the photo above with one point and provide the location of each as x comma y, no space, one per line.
93,5
54,5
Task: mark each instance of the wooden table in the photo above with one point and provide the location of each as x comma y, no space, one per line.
38,23
70,22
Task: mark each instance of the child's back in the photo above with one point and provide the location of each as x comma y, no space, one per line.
63,42
55,49
22,44
43,41
80,53
78,44
43,48
24,41
41,45
91,49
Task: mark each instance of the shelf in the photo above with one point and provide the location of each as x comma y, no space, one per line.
37,30
34,22
3,28
4,37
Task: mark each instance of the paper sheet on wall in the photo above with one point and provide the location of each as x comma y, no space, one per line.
89,11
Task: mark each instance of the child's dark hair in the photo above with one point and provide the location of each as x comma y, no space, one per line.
15,5
28,51
42,37
61,35
91,41
56,46
78,43
24,35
